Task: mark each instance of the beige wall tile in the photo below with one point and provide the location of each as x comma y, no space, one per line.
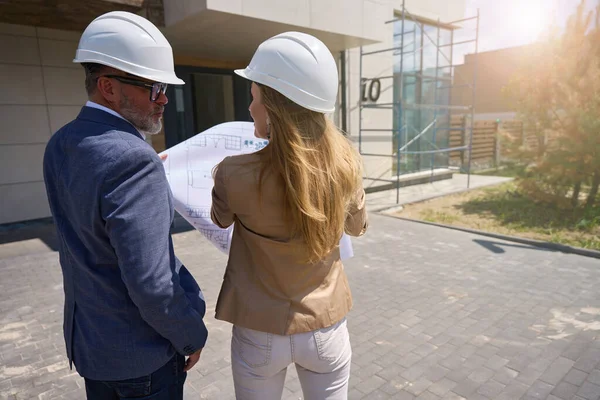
58,34
24,124
61,115
295,12
375,14
228,6
20,202
58,53
65,86
340,16
22,162
17,30
21,84
19,50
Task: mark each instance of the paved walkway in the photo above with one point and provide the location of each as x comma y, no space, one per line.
438,314
410,194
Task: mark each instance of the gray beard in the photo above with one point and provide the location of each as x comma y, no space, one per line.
141,123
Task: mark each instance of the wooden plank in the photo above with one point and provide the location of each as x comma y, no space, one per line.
481,153
486,142
483,145
483,149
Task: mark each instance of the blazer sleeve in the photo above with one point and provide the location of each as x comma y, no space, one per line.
220,211
136,207
356,219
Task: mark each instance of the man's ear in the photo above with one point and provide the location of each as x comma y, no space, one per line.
107,89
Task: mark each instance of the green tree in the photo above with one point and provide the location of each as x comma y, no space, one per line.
558,98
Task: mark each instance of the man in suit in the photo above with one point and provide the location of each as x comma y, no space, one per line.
132,310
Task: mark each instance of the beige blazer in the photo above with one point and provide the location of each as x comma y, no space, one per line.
264,287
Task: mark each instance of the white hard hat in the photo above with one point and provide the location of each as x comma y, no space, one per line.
130,43
300,67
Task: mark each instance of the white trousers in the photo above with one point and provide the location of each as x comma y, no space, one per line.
259,362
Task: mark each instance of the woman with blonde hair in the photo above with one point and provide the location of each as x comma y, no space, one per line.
285,290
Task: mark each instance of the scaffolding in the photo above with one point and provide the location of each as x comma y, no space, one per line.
420,126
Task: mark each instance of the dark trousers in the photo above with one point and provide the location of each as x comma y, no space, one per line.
166,383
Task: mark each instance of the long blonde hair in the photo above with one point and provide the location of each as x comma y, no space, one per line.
320,168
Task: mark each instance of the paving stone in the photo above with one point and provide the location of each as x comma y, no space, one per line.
588,361
355,394
505,375
491,389
496,362
393,372
452,396
565,390
594,377
442,387
576,377
436,372
426,395
419,386
540,390
529,375
403,395
481,375
370,384
377,395
394,386
466,387
440,308
557,370
589,391
513,391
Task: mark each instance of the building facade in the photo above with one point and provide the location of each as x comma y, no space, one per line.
42,89
495,70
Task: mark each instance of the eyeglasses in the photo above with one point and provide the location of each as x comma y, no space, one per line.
156,88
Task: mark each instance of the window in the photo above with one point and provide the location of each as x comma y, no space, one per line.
422,80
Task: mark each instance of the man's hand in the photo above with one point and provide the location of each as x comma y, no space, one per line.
163,157
192,360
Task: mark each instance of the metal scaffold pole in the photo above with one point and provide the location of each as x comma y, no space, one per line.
435,96
360,105
474,93
401,110
420,105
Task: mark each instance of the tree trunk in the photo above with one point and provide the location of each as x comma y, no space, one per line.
575,197
541,139
593,191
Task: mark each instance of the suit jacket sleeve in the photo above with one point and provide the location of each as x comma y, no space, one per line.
220,212
356,219
135,205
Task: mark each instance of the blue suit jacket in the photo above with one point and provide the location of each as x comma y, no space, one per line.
129,302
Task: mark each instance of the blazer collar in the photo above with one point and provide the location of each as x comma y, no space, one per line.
102,117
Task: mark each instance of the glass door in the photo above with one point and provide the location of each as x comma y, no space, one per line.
208,98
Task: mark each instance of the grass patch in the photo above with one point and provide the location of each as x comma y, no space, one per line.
501,209
507,170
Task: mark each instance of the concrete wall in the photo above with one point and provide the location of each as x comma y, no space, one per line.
495,69
382,64
358,18
41,90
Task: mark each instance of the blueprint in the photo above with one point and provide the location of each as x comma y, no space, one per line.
189,168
